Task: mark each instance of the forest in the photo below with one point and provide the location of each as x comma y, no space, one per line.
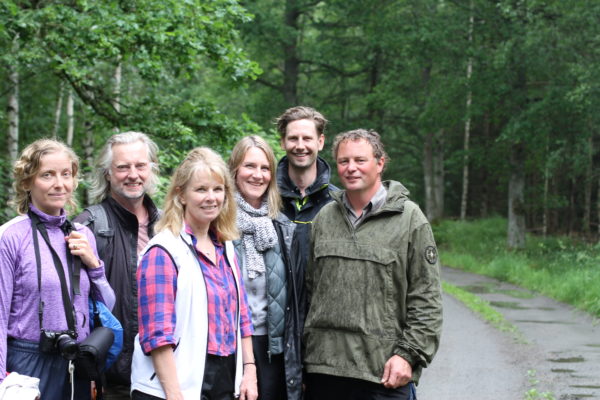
486,108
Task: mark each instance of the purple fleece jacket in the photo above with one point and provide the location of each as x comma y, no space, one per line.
19,294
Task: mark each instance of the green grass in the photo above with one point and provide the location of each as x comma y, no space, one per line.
563,268
480,306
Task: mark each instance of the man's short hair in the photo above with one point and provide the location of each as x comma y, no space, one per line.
100,187
298,113
370,136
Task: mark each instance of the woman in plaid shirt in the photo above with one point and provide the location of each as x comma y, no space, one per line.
193,314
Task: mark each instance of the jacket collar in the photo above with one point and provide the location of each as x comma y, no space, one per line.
287,186
397,195
127,218
51,221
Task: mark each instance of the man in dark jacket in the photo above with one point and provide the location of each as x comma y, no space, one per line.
373,282
123,222
303,176
302,179
303,182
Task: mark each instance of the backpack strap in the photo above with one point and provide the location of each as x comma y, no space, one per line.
102,231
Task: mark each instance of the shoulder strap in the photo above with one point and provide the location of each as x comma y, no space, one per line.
102,231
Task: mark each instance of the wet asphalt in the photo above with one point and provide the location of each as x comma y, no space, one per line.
555,350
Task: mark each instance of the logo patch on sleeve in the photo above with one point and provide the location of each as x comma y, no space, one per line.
431,254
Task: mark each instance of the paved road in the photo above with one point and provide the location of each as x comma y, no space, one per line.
477,362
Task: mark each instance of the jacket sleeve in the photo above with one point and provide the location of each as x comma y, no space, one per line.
7,269
421,336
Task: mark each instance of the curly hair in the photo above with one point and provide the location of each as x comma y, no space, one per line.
28,165
370,136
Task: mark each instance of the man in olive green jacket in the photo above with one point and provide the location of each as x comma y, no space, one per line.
373,278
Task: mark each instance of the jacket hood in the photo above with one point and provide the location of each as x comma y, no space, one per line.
397,195
287,186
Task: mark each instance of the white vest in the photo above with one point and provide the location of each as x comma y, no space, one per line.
191,330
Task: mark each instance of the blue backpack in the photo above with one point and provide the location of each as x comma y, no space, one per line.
103,317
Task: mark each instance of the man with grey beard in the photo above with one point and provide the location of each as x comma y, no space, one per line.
123,222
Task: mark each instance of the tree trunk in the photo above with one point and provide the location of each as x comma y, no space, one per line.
430,207
484,188
58,110
70,118
587,188
546,189
88,151
439,173
291,65
117,77
433,171
467,136
572,214
13,108
516,204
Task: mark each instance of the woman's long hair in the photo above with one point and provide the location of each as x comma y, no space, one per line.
200,159
237,158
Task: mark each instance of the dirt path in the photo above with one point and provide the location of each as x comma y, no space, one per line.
476,362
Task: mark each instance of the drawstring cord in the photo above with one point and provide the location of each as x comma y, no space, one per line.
72,378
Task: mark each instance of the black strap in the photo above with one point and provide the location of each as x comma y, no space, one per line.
36,225
74,262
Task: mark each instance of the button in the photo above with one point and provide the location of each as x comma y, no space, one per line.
287,309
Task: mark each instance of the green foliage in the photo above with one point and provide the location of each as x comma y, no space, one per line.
164,48
563,268
533,393
203,72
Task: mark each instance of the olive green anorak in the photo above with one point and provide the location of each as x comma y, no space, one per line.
374,289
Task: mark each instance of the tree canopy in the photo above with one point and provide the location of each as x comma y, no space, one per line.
484,107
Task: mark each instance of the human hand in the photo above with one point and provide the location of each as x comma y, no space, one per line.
249,388
396,372
79,246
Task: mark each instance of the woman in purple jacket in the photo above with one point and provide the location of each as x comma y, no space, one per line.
44,289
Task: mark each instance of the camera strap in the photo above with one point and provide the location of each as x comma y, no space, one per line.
36,225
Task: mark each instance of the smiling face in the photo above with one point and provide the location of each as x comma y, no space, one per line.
52,186
129,172
203,199
253,176
302,143
358,169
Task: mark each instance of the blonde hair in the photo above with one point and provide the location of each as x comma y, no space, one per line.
28,165
237,158
200,159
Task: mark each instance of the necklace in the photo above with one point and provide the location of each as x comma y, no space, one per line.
202,246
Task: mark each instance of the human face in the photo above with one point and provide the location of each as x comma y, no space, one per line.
358,169
203,199
302,143
253,176
52,186
129,172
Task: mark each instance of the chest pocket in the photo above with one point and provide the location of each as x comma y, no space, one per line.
353,287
